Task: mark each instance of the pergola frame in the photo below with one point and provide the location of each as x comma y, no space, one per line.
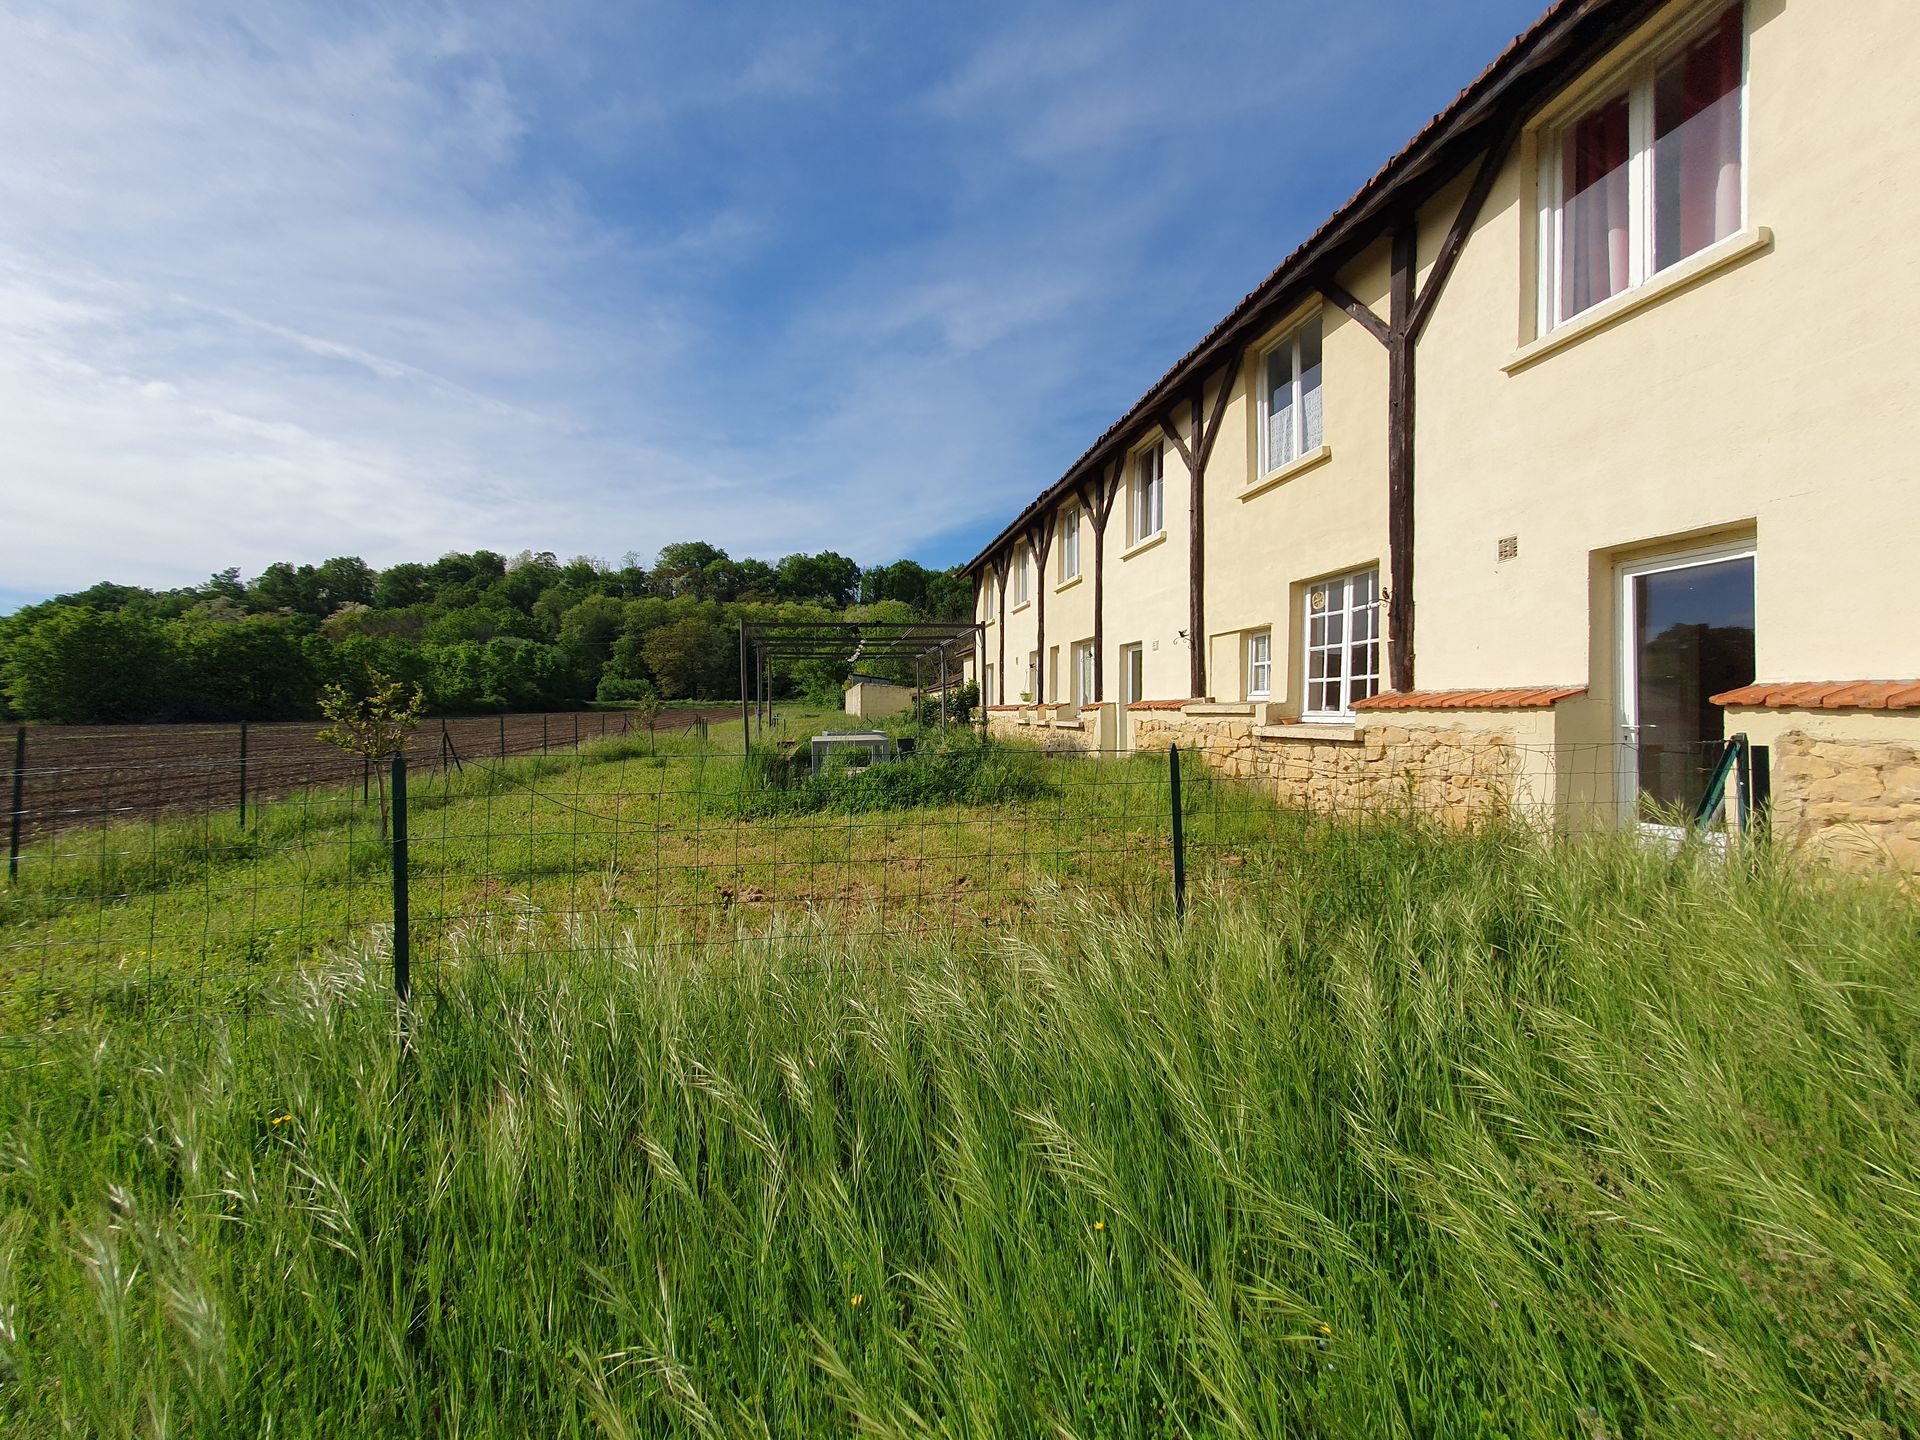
936,646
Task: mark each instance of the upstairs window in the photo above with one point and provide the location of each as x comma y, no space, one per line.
1022,577
1290,398
1343,644
1648,176
988,585
1147,500
1069,543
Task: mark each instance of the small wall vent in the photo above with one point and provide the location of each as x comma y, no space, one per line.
1509,547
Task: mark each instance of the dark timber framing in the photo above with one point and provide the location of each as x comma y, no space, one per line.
1040,545
1196,456
1096,498
1481,124
1408,313
1000,677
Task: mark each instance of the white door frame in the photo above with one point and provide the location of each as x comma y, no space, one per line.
1626,626
1124,726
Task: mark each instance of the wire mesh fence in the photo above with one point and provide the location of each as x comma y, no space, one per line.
638,848
77,776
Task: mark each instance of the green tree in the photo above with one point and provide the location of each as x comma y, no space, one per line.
687,657
77,666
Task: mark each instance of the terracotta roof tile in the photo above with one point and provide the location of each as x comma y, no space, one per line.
1825,695
1470,699
1161,704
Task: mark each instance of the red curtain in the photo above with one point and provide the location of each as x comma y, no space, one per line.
1593,259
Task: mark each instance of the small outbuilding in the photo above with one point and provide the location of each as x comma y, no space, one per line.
870,698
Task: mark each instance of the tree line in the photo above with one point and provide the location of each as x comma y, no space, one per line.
479,631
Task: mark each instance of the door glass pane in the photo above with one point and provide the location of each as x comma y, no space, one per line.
1696,145
1593,217
1693,638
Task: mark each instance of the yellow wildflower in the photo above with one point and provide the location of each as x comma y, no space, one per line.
858,1298
1324,1328
1099,1224
282,1119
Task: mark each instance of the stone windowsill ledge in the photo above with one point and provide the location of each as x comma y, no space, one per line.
1720,256
1159,537
1023,605
1299,465
1317,733
1066,584
1208,707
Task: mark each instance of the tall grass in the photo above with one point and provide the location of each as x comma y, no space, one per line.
1440,1136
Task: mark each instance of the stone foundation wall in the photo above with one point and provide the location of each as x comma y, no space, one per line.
1462,775
1854,800
1046,727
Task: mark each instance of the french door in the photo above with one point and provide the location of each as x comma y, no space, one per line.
1687,633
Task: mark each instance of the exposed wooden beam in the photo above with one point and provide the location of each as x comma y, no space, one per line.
1040,541
1400,454
1000,677
1179,441
1463,223
1370,322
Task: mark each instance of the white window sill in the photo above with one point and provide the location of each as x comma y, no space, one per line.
1722,255
1315,457
1328,732
1067,584
1023,605
1138,546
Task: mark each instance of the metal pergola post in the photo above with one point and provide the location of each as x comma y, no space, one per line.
746,728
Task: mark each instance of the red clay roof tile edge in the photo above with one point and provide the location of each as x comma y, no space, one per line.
1824,695
1533,699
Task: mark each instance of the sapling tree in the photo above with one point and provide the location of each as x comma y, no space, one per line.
647,710
374,725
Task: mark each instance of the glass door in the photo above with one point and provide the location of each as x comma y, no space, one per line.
1687,635
1132,688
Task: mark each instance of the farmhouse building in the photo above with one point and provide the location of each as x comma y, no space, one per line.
1581,437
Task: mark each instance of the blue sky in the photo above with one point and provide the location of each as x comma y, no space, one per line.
283,282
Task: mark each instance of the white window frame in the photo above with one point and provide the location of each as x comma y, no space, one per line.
1147,495
1082,673
1260,664
1344,712
1291,342
1033,677
1069,543
1626,627
1637,80
989,586
1053,674
986,685
1022,577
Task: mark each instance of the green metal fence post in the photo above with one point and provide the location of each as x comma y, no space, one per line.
503,735
402,948
243,774
19,797
1179,836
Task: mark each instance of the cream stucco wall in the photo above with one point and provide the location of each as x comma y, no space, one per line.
1769,398
1772,398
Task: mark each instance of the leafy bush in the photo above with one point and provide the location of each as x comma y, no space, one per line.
961,770
618,690
961,703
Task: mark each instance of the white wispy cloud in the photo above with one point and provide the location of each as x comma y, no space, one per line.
288,281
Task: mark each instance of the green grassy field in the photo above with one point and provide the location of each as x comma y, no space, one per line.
684,841
1404,1132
